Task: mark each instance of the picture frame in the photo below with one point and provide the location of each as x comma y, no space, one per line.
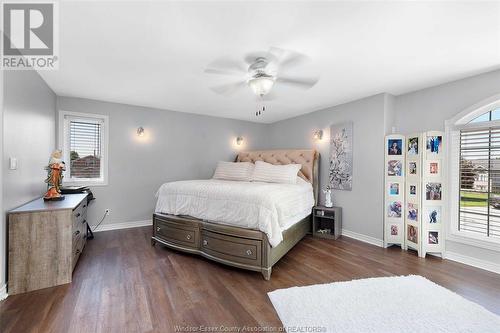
432,215
412,146
412,212
394,189
395,147
412,234
395,209
434,145
433,237
395,168
433,191
394,230
412,168
413,190
433,168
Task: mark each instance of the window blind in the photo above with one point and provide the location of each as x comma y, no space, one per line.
85,148
479,209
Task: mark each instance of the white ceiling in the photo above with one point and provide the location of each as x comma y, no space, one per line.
154,53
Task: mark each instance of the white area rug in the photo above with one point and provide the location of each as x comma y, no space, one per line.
388,304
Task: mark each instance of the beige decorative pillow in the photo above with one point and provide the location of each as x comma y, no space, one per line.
241,171
270,173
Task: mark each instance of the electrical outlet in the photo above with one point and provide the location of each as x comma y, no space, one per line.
107,211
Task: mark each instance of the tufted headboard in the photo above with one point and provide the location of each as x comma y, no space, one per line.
308,158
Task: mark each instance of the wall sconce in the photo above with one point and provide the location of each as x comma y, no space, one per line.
318,135
140,131
239,140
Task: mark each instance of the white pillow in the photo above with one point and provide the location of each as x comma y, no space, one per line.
234,171
270,173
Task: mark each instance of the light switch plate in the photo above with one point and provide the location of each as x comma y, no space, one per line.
13,163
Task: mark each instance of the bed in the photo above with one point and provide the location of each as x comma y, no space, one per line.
249,225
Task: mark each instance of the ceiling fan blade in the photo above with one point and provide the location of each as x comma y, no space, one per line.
228,65
228,89
303,83
287,59
221,71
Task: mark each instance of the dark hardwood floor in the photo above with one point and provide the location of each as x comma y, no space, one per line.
123,284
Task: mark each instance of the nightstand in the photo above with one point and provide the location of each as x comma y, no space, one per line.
327,222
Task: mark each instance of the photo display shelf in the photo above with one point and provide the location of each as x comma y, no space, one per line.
394,221
413,204
433,194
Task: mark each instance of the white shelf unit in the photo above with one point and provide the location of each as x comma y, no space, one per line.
413,213
394,190
433,194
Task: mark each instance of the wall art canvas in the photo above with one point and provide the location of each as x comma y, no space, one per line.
341,156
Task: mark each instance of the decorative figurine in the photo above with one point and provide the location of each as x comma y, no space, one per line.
54,176
328,196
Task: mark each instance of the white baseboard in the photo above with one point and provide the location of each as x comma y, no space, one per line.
486,265
3,292
363,238
124,225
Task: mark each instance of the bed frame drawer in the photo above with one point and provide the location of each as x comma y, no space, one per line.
177,232
233,249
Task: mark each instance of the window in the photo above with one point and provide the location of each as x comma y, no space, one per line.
480,181
83,138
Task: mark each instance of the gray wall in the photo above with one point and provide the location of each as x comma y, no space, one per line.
29,135
428,109
363,206
176,146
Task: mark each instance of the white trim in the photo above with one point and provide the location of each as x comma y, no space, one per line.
363,238
105,144
124,225
478,263
3,292
474,111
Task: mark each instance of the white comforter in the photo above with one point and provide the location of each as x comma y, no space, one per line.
268,207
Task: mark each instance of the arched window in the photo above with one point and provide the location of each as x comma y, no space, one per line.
474,173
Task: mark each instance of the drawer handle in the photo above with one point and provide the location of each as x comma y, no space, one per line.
205,242
78,215
77,232
249,252
188,237
158,228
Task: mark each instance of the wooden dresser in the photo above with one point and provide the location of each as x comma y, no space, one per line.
45,241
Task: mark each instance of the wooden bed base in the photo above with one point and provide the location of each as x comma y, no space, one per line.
233,246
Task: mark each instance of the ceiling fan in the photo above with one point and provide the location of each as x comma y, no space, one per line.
261,71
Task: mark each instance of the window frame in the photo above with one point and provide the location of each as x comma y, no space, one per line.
63,143
452,133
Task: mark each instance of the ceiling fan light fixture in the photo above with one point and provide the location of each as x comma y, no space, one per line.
261,85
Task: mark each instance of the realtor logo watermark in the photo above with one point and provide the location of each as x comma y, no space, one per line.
30,38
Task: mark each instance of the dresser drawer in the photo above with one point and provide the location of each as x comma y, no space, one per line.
234,249
177,233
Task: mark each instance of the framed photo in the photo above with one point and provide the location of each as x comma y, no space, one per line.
433,214
412,168
413,212
395,168
433,191
412,235
395,147
413,146
394,188
394,230
433,237
433,168
394,209
434,144
412,189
